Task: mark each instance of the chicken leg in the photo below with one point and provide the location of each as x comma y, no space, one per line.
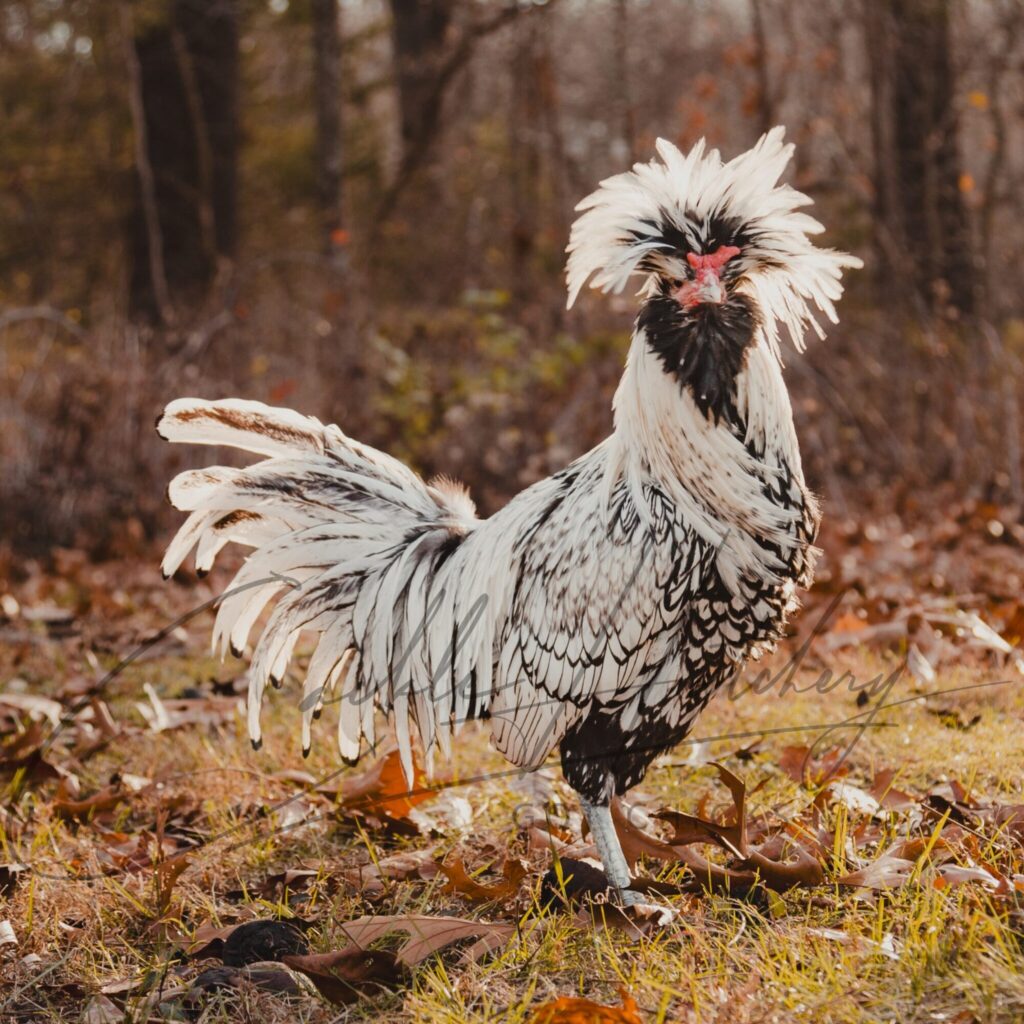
609,849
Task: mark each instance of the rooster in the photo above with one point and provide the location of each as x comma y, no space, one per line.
601,609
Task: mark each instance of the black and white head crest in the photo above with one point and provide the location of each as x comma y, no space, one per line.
635,221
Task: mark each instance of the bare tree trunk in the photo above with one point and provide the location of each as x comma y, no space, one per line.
1011,25
524,151
211,28
620,62
923,229
419,31
327,98
148,213
183,72
765,99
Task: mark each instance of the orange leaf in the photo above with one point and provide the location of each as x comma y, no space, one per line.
848,623
382,789
513,872
574,1010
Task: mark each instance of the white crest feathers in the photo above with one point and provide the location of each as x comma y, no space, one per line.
624,220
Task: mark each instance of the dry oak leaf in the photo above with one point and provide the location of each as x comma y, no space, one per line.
575,1010
896,866
884,873
951,875
513,872
731,838
206,941
291,879
105,799
24,753
636,842
344,975
751,864
429,935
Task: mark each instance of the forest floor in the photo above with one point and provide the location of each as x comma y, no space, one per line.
858,856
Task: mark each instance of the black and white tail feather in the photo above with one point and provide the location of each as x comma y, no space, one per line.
607,599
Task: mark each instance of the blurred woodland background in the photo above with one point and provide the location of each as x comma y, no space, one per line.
359,209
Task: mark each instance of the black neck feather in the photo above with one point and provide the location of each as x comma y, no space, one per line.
704,349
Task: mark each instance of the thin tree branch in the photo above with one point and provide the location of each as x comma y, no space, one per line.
450,67
54,316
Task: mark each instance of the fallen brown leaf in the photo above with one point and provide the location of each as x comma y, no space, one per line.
165,713
346,974
887,795
780,863
23,754
636,842
9,874
165,876
799,764
429,935
100,1010
34,705
1009,818
291,879
731,838
804,869
369,878
951,875
105,799
206,941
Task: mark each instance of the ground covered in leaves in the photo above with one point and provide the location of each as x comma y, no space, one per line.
843,839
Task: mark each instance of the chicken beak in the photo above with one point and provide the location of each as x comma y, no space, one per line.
706,288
